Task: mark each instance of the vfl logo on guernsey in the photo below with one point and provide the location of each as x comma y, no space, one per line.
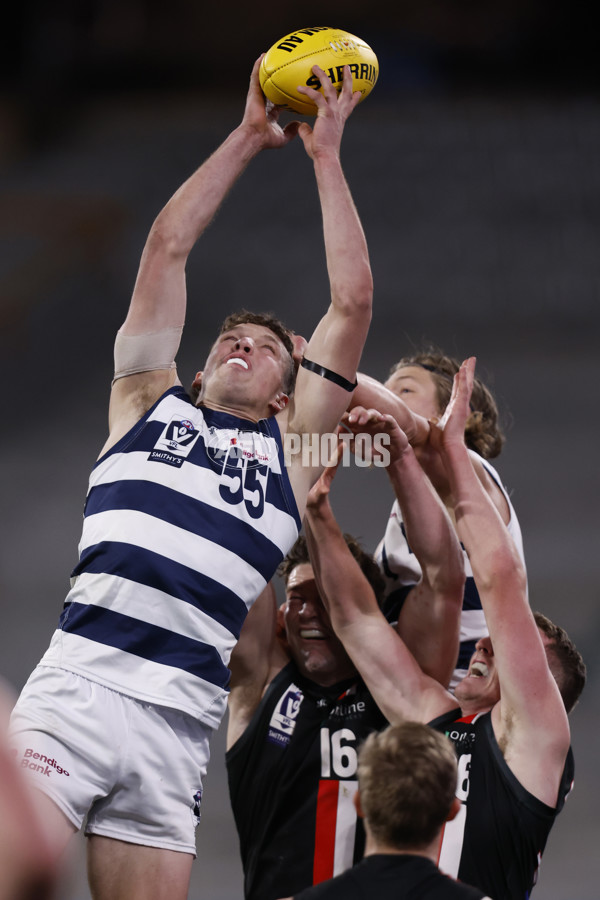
175,443
283,720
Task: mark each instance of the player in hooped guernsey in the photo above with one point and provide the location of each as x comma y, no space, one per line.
185,520
191,507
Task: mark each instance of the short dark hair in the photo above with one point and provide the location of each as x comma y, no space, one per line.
299,555
267,320
407,782
482,430
565,661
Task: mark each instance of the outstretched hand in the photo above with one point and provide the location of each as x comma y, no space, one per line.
450,429
370,421
262,115
333,111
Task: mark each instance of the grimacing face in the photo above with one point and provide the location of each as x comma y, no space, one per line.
417,388
480,687
312,643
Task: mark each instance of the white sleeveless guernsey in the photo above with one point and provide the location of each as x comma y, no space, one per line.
401,568
186,519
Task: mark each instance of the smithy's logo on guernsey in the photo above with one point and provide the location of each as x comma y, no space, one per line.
283,720
175,443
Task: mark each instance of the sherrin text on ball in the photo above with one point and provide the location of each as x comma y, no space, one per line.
289,63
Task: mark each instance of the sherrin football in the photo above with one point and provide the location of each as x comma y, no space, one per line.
289,63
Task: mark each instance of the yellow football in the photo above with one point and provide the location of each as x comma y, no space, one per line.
289,63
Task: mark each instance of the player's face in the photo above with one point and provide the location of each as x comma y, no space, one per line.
480,688
416,387
245,368
313,645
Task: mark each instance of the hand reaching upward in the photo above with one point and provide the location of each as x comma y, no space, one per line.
449,431
263,116
333,111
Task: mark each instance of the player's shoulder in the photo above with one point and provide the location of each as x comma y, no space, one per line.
132,398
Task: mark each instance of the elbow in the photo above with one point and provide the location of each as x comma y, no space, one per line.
451,580
355,300
503,571
165,240
448,580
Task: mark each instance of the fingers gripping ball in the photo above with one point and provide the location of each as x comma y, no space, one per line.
289,63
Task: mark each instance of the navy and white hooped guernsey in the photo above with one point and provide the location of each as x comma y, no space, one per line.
186,519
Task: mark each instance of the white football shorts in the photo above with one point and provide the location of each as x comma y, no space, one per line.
134,769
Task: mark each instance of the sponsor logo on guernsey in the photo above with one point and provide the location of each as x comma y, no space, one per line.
38,762
347,706
462,738
349,710
228,446
175,443
285,714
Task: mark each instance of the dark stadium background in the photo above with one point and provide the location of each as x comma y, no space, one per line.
475,165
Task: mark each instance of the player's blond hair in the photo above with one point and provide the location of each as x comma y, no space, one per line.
482,430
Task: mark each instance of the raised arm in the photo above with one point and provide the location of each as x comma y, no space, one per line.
338,339
389,670
429,622
255,660
371,393
158,304
530,721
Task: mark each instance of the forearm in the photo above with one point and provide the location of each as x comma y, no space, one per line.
250,659
430,616
159,297
372,394
492,553
193,206
344,589
345,243
338,340
429,529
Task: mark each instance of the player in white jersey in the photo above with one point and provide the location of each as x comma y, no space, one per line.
418,390
190,509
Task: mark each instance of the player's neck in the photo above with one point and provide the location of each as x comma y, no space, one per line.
238,412
474,707
374,847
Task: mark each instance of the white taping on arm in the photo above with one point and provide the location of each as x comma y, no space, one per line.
146,352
